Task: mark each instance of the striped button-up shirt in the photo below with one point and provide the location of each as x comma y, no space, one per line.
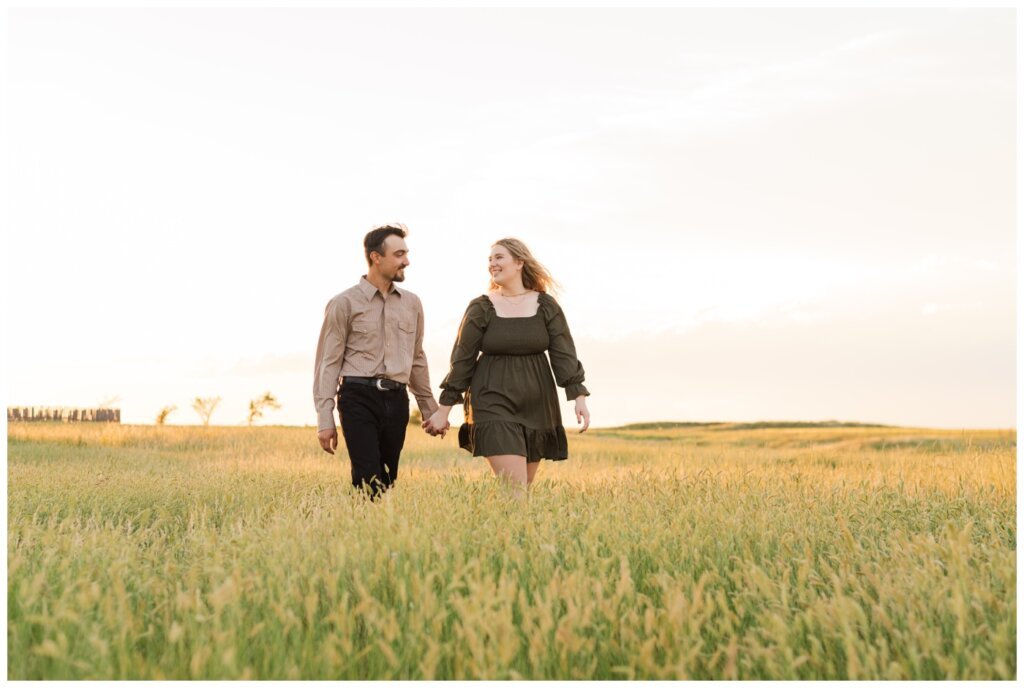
367,335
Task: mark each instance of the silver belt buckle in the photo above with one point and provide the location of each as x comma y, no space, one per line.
379,380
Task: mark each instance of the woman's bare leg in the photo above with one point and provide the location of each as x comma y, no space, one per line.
512,469
531,472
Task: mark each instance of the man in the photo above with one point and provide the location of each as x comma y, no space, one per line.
372,338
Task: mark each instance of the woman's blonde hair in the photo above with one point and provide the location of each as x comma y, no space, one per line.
535,275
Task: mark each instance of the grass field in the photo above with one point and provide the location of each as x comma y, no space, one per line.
654,552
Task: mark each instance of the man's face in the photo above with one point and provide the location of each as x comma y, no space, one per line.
395,259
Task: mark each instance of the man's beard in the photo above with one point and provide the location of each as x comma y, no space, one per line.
399,277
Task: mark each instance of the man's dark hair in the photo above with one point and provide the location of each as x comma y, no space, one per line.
374,240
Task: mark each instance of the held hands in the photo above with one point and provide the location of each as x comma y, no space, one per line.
437,425
582,413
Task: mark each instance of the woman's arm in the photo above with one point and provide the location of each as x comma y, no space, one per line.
463,364
567,368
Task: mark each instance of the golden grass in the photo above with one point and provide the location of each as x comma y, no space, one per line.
706,552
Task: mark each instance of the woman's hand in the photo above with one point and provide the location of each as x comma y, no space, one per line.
582,413
438,423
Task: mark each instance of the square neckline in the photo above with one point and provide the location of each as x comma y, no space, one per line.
514,317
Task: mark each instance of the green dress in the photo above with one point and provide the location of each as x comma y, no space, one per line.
510,400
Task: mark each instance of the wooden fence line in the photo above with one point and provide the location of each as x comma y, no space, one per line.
29,414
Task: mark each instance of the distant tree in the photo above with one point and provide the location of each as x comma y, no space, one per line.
164,412
415,417
256,406
205,407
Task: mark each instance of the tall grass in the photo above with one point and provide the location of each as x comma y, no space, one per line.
704,552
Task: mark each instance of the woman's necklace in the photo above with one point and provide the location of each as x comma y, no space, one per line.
519,295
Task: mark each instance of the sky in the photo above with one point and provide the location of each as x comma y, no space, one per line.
756,214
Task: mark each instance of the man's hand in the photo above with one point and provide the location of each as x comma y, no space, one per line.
435,431
328,439
437,424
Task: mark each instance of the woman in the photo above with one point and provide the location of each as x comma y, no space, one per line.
511,405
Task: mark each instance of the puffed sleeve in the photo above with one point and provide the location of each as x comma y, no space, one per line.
568,370
465,352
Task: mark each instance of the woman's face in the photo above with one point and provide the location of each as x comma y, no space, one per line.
504,268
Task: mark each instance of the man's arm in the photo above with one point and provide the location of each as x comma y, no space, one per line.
330,352
419,376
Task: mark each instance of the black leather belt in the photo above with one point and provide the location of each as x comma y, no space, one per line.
381,383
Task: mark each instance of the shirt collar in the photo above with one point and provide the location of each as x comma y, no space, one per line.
369,290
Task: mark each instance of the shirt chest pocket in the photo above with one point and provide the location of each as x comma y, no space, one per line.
407,326
406,331
362,336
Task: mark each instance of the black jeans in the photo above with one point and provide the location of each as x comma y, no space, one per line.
373,423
